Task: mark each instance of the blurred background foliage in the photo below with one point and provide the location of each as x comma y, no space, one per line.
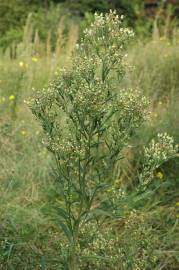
46,14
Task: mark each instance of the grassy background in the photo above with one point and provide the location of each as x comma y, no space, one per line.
29,238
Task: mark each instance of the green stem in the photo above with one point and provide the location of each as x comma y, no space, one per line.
72,261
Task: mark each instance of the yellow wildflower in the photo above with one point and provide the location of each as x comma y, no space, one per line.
177,203
21,64
159,175
23,132
11,97
34,59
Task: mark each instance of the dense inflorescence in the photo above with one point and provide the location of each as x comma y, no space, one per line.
98,118
155,154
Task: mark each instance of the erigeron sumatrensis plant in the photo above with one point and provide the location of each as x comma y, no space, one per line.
88,120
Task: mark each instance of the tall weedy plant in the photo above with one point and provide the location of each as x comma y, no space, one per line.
88,120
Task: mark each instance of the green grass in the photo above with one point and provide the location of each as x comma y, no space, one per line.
29,236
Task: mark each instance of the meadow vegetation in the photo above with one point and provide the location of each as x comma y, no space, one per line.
106,195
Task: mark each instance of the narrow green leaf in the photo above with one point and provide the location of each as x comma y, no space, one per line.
66,231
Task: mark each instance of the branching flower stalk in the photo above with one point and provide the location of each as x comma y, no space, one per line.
159,150
88,120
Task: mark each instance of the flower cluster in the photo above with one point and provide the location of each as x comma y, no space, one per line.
104,43
158,152
106,248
